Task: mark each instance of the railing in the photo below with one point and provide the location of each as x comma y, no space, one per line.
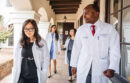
125,43
119,79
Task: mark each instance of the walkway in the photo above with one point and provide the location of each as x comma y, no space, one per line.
60,77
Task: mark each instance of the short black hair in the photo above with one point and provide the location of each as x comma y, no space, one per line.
95,6
74,32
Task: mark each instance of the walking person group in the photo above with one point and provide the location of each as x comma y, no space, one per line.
69,45
92,53
96,50
31,56
53,44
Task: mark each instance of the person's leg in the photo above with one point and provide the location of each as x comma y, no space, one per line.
55,71
49,69
69,67
68,57
22,80
88,80
33,80
70,74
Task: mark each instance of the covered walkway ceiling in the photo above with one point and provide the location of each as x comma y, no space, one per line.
65,6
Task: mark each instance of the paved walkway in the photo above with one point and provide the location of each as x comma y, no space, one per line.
60,77
7,52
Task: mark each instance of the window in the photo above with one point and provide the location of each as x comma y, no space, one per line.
118,14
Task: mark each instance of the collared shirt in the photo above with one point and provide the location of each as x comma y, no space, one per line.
96,25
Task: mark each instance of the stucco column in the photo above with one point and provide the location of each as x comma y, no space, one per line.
43,28
17,18
102,10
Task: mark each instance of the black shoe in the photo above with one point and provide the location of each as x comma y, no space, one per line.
55,72
49,76
71,80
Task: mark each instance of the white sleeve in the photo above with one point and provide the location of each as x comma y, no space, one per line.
114,51
15,52
46,38
45,58
76,50
14,68
66,43
59,48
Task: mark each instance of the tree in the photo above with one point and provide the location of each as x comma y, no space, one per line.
5,33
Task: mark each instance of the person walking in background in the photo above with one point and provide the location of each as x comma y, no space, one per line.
69,45
31,56
96,50
53,44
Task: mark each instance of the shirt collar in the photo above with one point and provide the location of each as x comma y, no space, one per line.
53,35
96,24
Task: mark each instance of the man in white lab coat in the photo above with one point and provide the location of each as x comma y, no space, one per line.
96,51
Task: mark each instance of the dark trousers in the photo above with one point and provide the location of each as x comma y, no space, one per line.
69,58
88,79
23,80
70,73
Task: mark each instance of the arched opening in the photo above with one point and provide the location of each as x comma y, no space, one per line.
43,13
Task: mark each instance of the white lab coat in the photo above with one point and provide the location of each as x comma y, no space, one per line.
66,46
41,58
55,43
102,51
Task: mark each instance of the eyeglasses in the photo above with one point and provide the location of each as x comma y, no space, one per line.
29,29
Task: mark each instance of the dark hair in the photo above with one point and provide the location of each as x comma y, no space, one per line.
57,36
24,39
74,32
95,6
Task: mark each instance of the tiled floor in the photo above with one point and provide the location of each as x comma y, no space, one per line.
60,77
7,52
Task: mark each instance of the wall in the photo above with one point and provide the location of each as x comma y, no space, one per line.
70,18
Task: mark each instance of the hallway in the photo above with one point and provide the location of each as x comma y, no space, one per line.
66,15
60,77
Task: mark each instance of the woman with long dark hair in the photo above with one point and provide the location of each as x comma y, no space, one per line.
53,44
31,57
69,45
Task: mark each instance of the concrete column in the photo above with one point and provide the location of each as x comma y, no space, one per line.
102,10
43,28
17,18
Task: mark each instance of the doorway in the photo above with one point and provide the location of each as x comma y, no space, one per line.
64,29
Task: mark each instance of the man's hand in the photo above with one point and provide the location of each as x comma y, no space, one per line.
62,46
109,73
73,70
58,53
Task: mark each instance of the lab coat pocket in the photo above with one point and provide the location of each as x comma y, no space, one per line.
104,45
84,40
43,76
14,75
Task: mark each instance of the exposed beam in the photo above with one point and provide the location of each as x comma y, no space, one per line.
69,6
64,3
67,1
65,12
65,9
64,0
65,6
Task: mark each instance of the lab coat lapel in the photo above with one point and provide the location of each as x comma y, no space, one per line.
99,28
36,55
97,32
88,31
20,54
